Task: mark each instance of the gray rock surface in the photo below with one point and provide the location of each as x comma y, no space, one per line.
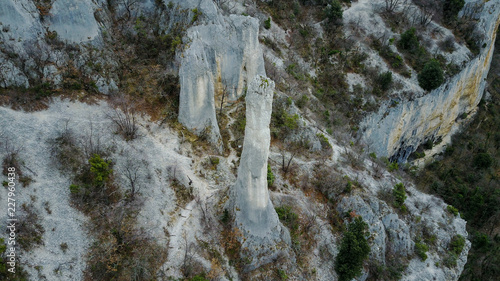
255,217
398,131
222,57
74,21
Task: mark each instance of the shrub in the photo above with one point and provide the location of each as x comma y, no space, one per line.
457,244
452,210
325,144
409,41
75,189
302,101
270,176
100,170
399,193
354,249
333,12
483,160
420,250
385,80
431,76
199,277
267,23
451,9
214,161
288,217
5,274
196,14
392,166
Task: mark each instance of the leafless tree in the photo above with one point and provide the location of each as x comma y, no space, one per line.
91,143
189,251
128,4
131,171
125,119
391,5
425,16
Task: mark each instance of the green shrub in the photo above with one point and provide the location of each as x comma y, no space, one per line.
457,244
196,14
431,76
270,176
392,166
20,273
399,193
409,41
282,274
354,249
289,218
420,250
199,277
100,170
452,210
451,9
74,188
483,160
302,101
267,23
214,161
333,12
385,80
325,144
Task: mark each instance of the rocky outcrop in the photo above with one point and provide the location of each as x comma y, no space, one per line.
222,57
26,56
263,237
393,233
74,21
397,131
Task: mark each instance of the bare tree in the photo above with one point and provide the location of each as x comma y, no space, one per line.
125,119
425,16
285,164
91,143
128,4
391,5
131,171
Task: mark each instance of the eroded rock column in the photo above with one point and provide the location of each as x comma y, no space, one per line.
263,235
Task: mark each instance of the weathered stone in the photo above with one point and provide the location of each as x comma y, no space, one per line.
220,60
263,236
73,21
398,131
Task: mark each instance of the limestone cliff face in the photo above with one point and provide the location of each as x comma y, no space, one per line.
24,52
397,131
223,55
255,216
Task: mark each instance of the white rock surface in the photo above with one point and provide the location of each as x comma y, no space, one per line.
221,57
73,21
255,216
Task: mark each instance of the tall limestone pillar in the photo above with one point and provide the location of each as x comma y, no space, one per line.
263,236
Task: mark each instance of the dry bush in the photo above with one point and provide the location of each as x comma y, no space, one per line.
29,230
327,182
11,156
123,250
124,117
448,44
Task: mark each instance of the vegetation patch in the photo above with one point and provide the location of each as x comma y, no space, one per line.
354,250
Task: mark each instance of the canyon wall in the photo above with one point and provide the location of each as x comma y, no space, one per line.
397,131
